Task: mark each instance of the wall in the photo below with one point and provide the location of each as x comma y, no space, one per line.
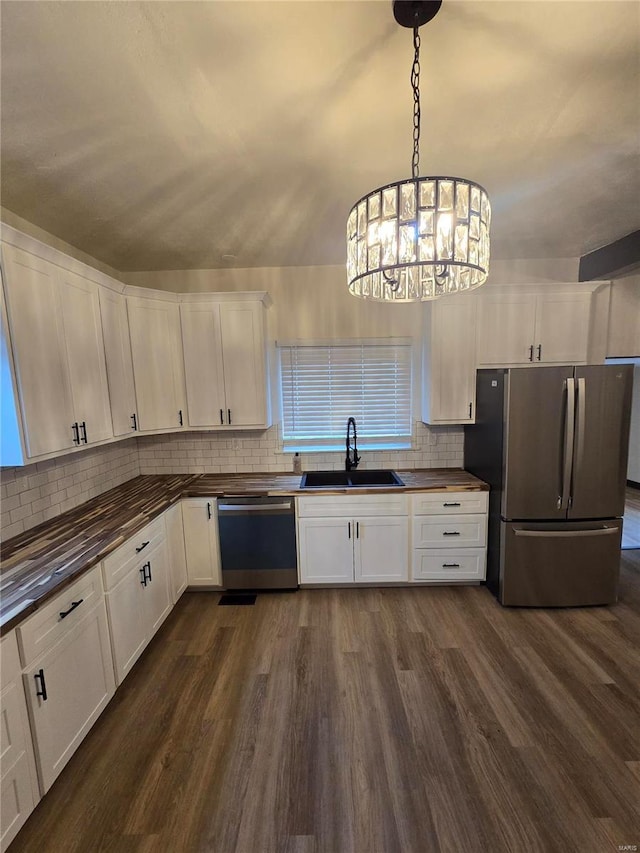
34,493
214,453
624,318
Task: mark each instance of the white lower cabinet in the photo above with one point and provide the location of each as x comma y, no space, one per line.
137,581
69,684
18,786
353,539
202,548
177,556
449,536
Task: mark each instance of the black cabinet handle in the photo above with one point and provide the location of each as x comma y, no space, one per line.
451,533
143,546
208,510
180,417
147,565
83,427
470,409
221,417
531,353
135,421
76,434
452,503
43,687
539,352
229,415
357,529
74,604
349,526
143,572
451,565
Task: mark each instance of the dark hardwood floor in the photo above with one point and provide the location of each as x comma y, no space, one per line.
365,721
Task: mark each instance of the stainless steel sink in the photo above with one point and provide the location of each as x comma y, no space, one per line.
349,479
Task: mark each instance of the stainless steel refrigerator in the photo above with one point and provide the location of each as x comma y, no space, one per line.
552,443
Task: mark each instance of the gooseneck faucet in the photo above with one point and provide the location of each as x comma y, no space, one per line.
351,461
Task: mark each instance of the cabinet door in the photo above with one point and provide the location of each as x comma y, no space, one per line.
78,675
201,542
127,622
382,549
117,349
177,557
204,378
156,351
85,352
245,381
506,329
37,336
449,361
325,550
156,595
562,327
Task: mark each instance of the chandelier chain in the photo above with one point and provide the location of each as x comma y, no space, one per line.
415,85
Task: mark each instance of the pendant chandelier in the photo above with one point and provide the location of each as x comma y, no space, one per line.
423,237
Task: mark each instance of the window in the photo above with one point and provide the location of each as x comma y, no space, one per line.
323,386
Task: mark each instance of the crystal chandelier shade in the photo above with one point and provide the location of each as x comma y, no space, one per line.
423,237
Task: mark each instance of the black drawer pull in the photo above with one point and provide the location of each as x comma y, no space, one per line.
451,533
74,604
43,687
143,546
451,504
451,565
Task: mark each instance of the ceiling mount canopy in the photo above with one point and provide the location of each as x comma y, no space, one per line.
422,237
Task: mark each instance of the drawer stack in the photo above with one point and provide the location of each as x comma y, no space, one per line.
449,536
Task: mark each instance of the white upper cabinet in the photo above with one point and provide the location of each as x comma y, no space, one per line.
225,363
56,336
449,361
154,326
531,328
85,353
117,350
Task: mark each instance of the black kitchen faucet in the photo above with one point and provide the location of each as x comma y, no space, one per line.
351,461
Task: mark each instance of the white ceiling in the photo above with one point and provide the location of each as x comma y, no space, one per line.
164,135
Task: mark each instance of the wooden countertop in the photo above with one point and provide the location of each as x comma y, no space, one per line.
40,562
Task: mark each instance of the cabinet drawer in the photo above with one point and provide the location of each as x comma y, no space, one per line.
430,564
40,632
456,531
449,503
349,505
134,550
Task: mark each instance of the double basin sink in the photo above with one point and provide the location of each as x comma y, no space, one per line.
349,479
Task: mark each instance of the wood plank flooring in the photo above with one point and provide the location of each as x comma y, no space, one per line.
631,523
365,721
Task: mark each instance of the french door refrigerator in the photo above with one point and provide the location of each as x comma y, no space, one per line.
552,443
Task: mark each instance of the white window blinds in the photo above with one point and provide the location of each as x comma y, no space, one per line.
323,386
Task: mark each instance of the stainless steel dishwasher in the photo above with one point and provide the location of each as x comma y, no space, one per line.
258,543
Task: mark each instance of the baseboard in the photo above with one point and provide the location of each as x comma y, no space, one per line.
632,484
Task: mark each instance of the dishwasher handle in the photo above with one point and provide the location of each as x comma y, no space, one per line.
232,506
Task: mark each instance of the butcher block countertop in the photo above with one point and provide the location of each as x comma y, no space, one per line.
40,562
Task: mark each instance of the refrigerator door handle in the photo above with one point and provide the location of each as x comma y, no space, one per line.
553,534
569,433
581,422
